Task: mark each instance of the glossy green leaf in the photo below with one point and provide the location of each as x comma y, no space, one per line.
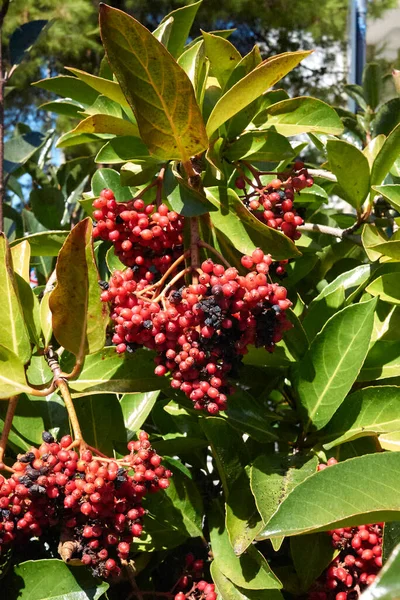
273,477
63,107
249,62
105,106
251,87
133,174
372,149
386,157
386,287
390,441
122,149
229,591
106,124
13,330
18,149
351,169
53,580
372,84
163,31
30,309
21,254
79,316
107,87
101,420
75,139
250,570
44,243
228,449
48,206
136,408
328,370
46,319
107,371
170,122
391,192
356,93
352,281
303,115
69,87
222,55
366,412
243,521
311,554
387,117
183,18
321,309
263,146
243,229
24,38
357,491
382,362
248,415
12,374
184,199
109,178
194,64
391,538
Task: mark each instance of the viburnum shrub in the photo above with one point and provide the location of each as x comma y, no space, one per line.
199,350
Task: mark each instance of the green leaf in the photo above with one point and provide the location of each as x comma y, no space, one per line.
44,243
18,149
357,93
107,371
243,229
382,362
170,121
134,174
12,374
109,178
101,419
391,537
21,255
229,591
104,106
356,491
24,38
303,115
390,441
372,84
311,554
184,199
48,206
321,309
351,169
13,330
387,584
245,66
259,145
61,107
366,412
386,157
247,415
328,370
274,476
107,87
193,63
106,124
386,287
222,55
69,87
46,320
136,408
163,31
387,117
228,450
30,309
183,18
53,580
251,87
250,570
79,316
122,149
391,193
372,149
243,521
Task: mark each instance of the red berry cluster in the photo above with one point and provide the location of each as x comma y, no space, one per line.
273,203
146,239
96,502
357,564
191,584
201,332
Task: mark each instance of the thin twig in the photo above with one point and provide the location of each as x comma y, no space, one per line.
334,231
12,405
203,244
171,283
